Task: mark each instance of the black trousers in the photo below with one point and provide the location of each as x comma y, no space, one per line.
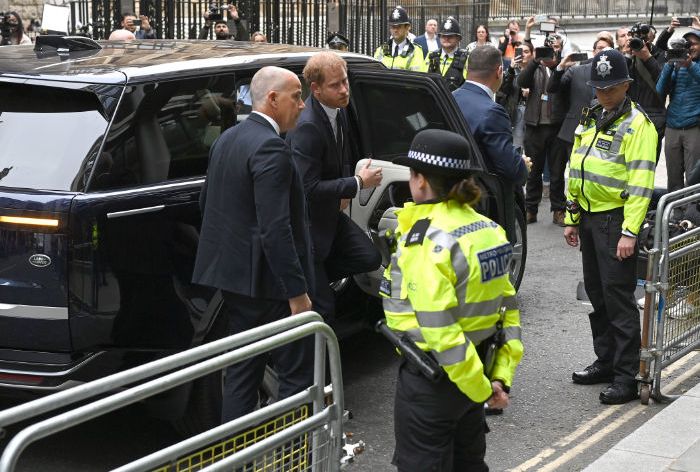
352,252
437,428
544,148
293,362
610,286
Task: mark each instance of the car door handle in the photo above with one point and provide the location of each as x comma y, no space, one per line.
135,211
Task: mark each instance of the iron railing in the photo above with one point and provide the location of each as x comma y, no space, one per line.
308,22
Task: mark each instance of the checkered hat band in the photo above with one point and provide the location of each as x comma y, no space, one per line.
440,161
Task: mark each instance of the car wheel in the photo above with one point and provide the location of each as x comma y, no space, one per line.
517,263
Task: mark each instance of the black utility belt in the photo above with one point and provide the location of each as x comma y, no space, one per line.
604,212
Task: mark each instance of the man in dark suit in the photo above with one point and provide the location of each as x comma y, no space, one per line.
487,120
321,150
429,40
255,244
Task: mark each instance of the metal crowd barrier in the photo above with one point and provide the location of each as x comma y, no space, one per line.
280,436
671,323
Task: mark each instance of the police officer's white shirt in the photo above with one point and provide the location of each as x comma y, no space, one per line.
401,45
269,120
484,88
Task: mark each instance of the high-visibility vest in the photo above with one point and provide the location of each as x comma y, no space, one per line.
445,288
410,57
452,68
614,167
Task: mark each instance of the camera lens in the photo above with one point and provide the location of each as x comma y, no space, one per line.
636,44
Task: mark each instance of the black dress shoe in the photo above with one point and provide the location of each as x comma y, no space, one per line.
593,374
619,393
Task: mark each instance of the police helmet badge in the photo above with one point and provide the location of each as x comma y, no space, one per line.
603,67
448,24
396,14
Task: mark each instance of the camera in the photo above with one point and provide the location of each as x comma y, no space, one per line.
216,13
545,52
547,27
685,21
639,33
678,51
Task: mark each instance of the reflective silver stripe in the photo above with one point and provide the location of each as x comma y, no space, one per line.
510,303
435,319
396,275
477,336
34,312
458,259
603,180
512,332
640,191
416,335
640,164
621,131
395,305
485,308
452,355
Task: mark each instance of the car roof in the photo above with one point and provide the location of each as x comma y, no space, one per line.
133,61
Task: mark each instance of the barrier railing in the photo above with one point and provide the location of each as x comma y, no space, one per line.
671,325
308,442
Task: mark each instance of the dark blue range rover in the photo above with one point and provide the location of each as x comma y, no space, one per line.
103,150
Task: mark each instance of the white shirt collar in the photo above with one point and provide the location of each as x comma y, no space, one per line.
269,120
484,88
401,45
332,115
448,54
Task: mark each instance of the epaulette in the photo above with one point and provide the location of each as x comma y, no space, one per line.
641,110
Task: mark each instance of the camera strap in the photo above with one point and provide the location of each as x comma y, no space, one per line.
644,73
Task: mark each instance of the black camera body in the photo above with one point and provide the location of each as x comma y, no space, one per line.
678,51
215,13
639,33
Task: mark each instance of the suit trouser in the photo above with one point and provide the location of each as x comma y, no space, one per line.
293,362
352,252
544,148
610,287
437,427
682,154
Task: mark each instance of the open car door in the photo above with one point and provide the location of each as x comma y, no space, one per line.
387,109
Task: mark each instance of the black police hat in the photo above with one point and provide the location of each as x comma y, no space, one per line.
337,40
399,16
450,27
609,68
438,151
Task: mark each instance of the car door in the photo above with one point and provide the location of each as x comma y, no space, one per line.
388,108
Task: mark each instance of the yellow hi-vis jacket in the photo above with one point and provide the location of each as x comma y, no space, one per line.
445,291
614,168
410,57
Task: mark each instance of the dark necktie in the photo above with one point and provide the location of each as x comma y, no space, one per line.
338,132
396,50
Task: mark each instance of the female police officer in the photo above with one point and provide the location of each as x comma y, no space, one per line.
447,289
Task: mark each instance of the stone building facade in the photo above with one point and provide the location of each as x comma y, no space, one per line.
27,9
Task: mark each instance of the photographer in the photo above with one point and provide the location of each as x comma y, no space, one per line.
13,30
506,43
233,28
665,35
129,23
680,78
544,114
644,69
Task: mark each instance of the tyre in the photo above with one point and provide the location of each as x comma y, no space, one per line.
517,263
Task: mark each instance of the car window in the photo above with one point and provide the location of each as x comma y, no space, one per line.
395,115
46,134
244,101
164,131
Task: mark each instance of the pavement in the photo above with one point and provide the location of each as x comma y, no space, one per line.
670,441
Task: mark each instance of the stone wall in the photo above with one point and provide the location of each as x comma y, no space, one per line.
27,9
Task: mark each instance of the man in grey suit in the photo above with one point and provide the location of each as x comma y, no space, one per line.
254,244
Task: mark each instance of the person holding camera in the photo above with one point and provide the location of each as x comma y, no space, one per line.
680,79
506,43
129,23
644,70
13,30
544,113
232,28
513,98
676,22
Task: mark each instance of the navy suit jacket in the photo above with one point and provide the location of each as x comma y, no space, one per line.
423,42
571,83
491,128
255,237
325,169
